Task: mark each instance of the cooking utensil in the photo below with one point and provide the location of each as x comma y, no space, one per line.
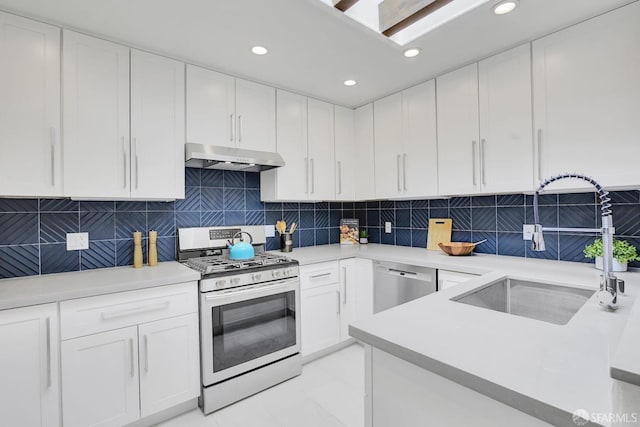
459,248
439,231
281,226
293,228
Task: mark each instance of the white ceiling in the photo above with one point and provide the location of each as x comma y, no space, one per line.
312,47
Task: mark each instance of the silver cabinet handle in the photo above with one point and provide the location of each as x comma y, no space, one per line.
398,171
483,143
231,127
404,171
313,176
133,371
344,294
135,151
315,276
539,153
124,163
52,140
339,177
473,160
239,129
337,302
306,175
106,315
146,354
48,331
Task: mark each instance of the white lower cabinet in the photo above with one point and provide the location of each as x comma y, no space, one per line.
29,375
333,295
136,355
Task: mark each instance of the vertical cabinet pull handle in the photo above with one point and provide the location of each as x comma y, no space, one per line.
344,294
404,171
231,127
239,129
483,167
337,302
398,171
306,175
52,139
339,177
146,354
133,371
48,332
313,176
473,161
539,154
135,151
124,163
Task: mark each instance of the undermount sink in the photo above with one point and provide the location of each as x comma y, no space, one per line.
535,300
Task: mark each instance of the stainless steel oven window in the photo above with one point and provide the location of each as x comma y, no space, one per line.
247,330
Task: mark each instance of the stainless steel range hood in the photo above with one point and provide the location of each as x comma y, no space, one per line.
227,158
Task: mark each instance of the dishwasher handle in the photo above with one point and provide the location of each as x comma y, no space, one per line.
419,275
396,272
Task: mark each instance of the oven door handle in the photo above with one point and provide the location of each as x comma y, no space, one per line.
269,288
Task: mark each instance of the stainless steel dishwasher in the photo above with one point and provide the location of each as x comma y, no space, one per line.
395,284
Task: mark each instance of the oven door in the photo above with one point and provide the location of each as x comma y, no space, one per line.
245,328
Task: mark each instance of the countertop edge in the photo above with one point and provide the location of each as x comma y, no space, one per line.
540,410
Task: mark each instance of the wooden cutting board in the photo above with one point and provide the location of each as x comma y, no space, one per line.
439,231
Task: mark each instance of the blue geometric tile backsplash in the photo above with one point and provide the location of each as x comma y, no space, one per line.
33,231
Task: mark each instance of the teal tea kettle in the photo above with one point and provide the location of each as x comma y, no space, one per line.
241,250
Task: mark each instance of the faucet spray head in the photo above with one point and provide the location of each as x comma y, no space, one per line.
537,239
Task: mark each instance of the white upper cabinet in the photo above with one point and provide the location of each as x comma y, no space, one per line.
420,147
321,150
587,99
30,164
484,126
405,144
157,126
96,117
506,145
365,178
229,112
458,133
347,165
211,107
256,116
290,182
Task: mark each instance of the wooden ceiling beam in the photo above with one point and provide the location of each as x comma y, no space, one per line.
396,15
343,5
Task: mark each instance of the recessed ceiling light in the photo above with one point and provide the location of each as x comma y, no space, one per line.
259,50
505,6
350,82
411,52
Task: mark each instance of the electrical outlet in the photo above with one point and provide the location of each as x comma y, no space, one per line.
387,227
77,241
527,231
269,231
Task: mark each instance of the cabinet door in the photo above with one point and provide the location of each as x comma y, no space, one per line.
96,117
365,178
420,155
458,150
29,367
157,126
506,144
211,106
100,379
169,363
348,296
364,292
388,145
290,182
587,99
30,164
346,159
320,308
321,150
256,116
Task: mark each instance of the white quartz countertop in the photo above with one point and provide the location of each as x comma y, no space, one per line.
544,369
33,290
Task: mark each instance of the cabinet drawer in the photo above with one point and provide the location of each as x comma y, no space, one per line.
106,312
312,276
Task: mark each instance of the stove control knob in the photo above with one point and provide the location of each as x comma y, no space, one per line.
287,272
255,277
220,283
276,273
235,281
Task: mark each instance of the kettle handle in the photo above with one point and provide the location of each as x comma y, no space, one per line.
240,233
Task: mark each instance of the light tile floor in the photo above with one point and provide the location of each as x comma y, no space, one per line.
329,393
